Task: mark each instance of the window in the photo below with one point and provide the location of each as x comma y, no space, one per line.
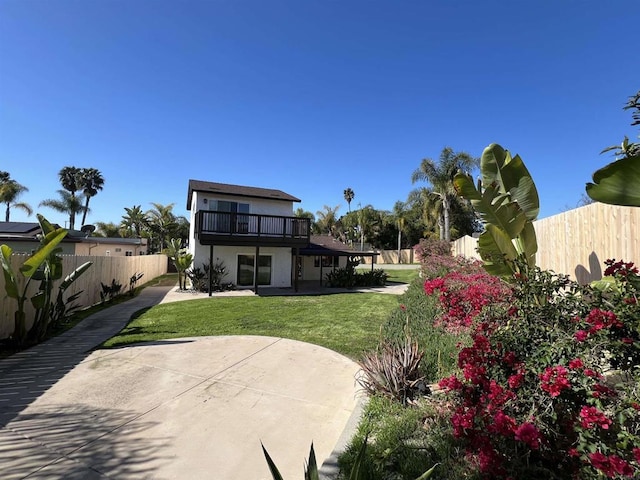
128,253
118,249
326,261
245,270
232,223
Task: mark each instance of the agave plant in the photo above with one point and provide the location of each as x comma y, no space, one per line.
506,199
358,472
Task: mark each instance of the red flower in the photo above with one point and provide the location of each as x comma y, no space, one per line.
516,380
554,380
576,364
599,319
581,335
529,434
451,383
601,462
503,424
591,416
636,454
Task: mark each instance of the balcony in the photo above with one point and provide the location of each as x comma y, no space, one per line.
246,229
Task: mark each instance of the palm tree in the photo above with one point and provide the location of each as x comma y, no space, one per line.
70,179
399,213
162,222
108,230
440,176
91,182
68,203
135,221
302,213
10,190
348,196
327,219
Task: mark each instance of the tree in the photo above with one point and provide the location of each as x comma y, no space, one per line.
301,213
439,174
348,196
326,219
135,222
108,230
70,179
68,204
10,190
399,214
162,224
91,182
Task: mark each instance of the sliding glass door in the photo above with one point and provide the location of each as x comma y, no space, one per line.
245,270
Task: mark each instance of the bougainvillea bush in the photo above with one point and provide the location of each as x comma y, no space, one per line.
549,386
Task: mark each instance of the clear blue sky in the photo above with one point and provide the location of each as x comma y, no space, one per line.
308,96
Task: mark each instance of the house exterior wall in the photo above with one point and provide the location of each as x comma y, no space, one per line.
311,272
280,262
281,257
109,249
22,246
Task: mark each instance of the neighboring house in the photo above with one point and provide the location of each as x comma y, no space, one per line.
22,238
253,232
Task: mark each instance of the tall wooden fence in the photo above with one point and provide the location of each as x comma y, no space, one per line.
103,270
577,242
391,257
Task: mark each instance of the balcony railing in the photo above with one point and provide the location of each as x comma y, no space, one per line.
225,228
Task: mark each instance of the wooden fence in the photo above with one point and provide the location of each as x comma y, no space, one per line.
577,242
391,257
103,270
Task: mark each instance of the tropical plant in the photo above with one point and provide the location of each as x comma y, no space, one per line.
133,280
163,224
44,265
349,195
10,190
91,182
549,388
68,204
181,260
506,199
358,470
618,183
108,230
399,214
393,371
326,220
135,222
70,179
302,213
440,176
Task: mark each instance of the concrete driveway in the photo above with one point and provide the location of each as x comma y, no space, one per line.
192,408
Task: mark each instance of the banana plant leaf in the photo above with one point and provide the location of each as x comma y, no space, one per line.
499,167
617,183
10,280
50,242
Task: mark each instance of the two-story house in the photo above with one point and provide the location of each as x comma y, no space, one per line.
251,230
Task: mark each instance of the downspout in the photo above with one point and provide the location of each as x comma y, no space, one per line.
210,269
255,270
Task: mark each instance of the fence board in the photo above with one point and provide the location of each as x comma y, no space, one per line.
578,242
103,270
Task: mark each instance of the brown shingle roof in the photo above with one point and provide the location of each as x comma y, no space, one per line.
237,190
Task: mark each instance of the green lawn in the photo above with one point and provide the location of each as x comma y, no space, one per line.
402,276
348,323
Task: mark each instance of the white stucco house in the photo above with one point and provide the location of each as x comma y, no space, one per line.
254,233
252,230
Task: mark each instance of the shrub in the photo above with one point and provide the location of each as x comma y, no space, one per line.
404,443
439,347
348,277
537,397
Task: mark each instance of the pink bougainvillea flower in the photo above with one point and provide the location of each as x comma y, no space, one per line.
581,335
554,380
591,416
529,434
576,364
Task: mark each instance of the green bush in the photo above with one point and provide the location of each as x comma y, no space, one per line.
349,277
403,443
439,347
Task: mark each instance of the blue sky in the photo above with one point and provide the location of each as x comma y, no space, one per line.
305,96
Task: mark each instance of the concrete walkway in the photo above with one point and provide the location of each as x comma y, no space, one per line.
192,408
